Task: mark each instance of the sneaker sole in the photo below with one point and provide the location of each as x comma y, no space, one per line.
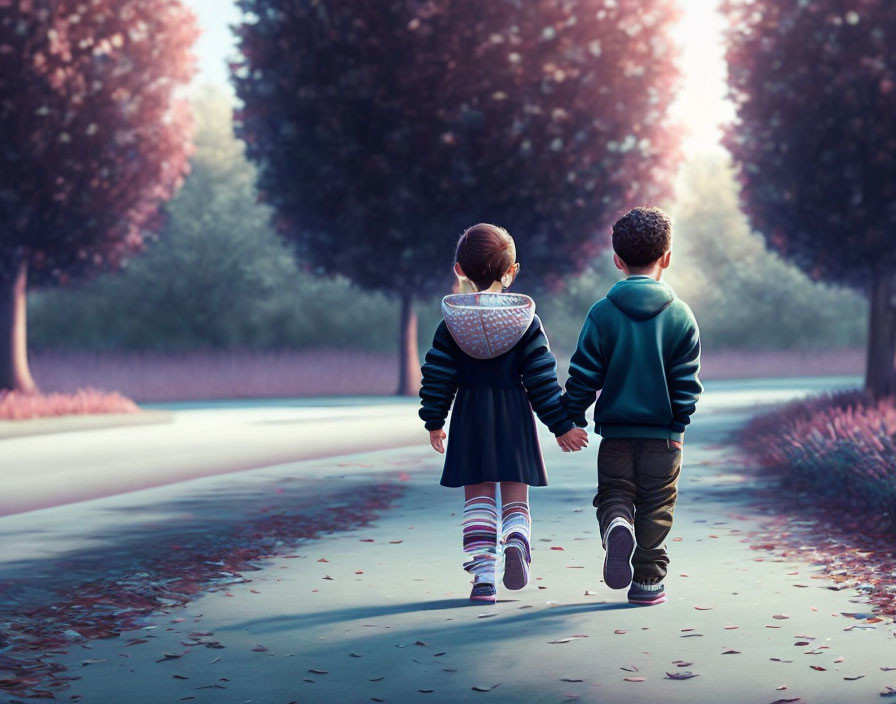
516,571
618,559
652,602
489,599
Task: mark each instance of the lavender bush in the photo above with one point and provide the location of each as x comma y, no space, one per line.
840,446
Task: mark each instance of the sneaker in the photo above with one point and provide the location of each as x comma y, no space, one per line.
646,594
619,543
484,591
516,561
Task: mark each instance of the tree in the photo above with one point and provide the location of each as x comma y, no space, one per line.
382,129
219,276
742,292
813,87
93,141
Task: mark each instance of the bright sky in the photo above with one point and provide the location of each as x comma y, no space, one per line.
701,106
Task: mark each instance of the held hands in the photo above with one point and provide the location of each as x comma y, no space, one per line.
676,444
573,440
435,439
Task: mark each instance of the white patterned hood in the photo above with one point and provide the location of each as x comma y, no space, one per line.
487,325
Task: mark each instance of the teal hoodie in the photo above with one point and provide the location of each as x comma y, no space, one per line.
640,347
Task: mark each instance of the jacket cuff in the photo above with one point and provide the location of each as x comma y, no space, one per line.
677,437
562,428
434,424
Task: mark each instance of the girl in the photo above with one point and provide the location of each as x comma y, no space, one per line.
491,351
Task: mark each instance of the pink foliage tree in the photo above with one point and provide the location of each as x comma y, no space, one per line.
814,86
94,139
382,129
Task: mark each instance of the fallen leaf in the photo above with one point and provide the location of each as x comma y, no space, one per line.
318,672
353,654
795,700
180,677
96,661
619,632
780,617
730,652
571,679
480,688
629,668
681,675
888,692
168,656
633,679
779,660
853,678
395,542
818,667
259,649
437,655
556,547
704,608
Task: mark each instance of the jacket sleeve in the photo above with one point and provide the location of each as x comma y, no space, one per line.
587,370
439,384
538,369
684,385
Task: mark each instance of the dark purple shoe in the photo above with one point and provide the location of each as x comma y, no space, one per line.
516,561
484,591
619,543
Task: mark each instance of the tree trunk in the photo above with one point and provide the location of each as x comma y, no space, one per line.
408,355
14,372
879,372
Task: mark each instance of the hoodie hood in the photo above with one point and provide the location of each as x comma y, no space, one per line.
486,325
641,297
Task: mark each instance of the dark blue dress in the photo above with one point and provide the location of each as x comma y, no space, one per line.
492,436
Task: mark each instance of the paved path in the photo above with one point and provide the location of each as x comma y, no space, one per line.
45,470
380,614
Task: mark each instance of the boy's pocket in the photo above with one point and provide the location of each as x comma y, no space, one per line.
659,459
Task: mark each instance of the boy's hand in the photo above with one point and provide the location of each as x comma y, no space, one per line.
676,444
573,440
435,439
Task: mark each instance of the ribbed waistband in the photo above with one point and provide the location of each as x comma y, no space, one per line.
491,386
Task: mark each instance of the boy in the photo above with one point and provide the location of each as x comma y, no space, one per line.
641,348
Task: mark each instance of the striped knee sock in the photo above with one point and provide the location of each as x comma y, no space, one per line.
481,538
515,519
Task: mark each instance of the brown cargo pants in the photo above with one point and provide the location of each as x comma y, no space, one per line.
637,479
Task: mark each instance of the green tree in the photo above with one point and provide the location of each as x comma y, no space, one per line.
217,276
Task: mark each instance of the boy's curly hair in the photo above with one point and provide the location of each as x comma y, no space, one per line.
642,236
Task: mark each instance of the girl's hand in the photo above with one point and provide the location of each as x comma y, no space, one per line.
435,439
